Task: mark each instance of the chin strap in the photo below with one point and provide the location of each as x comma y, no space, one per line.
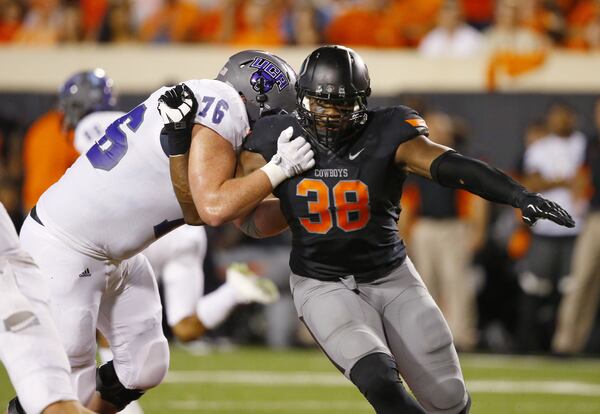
261,97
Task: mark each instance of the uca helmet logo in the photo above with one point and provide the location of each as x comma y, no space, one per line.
269,73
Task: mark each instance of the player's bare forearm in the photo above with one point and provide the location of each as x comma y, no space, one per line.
233,198
266,220
178,166
220,198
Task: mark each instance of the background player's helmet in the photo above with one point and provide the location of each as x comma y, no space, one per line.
84,93
332,91
265,82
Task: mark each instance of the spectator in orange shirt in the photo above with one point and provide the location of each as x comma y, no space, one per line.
251,23
478,13
584,25
11,13
175,21
43,23
48,149
92,15
412,20
365,23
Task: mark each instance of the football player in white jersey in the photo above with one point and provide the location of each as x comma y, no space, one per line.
87,229
177,258
41,379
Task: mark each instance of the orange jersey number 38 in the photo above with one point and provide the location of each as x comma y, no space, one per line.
350,205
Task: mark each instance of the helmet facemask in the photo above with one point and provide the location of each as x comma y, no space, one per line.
332,121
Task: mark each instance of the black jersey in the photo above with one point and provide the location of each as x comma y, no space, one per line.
343,213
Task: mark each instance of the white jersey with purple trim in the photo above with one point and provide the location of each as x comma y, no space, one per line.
118,198
91,129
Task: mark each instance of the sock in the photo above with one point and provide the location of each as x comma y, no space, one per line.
105,355
215,307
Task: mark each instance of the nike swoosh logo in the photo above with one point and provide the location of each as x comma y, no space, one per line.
353,156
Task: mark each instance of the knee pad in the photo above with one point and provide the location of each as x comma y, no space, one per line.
374,372
467,407
84,382
111,389
377,378
14,407
147,363
449,393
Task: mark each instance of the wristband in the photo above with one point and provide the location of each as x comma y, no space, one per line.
179,141
274,172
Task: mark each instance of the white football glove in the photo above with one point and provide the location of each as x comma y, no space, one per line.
293,157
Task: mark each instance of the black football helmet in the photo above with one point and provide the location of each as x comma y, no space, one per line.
263,80
332,91
83,93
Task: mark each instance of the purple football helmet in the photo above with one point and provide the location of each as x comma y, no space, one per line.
83,93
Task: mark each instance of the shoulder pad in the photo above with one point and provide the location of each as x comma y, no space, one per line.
409,116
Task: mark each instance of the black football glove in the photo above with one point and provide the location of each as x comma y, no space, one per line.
534,207
177,108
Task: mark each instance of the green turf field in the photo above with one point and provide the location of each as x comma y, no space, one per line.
255,380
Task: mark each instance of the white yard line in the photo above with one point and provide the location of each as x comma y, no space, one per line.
267,378
534,387
323,379
262,406
524,362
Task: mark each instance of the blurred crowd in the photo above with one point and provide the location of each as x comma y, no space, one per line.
436,27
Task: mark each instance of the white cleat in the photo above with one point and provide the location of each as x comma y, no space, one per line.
250,287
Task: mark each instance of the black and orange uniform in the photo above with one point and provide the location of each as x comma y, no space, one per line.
342,213
352,283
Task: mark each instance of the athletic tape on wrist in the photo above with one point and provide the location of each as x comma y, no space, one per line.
275,173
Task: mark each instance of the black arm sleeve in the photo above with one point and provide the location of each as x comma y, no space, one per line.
456,171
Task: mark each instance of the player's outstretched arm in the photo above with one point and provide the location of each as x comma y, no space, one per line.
450,169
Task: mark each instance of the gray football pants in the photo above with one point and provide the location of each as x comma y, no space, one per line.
394,315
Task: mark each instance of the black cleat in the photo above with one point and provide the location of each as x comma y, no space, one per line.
14,407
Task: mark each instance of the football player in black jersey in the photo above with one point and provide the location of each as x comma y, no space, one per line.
353,285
